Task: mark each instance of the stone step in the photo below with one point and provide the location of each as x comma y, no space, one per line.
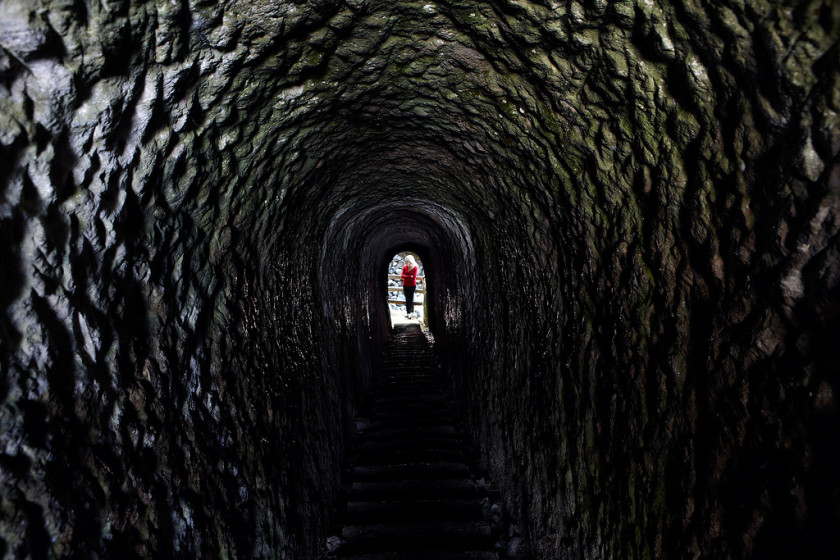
401,490
418,404
411,496
444,509
396,419
406,410
411,456
408,421
402,381
400,388
427,555
408,444
413,471
407,393
408,365
403,392
422,366
407,372
440,431
417,536
429,411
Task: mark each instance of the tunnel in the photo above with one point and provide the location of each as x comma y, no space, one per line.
628,214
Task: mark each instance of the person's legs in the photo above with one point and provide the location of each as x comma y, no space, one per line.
409,298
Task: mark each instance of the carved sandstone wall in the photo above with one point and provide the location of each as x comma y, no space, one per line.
629,214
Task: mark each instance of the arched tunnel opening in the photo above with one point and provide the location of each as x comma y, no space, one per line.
628,215
396,272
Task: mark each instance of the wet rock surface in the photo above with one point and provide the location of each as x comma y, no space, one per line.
628,214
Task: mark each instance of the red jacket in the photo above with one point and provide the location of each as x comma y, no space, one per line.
409,277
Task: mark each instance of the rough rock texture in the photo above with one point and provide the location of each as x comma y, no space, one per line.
629,215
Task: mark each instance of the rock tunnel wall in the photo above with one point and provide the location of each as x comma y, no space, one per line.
628,212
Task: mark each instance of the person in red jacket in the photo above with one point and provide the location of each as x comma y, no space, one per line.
409,280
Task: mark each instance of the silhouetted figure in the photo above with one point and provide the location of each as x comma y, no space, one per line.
409,280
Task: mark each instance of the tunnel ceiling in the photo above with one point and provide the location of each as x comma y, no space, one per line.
630,209
479,106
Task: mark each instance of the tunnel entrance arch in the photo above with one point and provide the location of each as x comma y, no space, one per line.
397,304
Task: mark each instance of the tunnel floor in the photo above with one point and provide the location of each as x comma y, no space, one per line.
411,490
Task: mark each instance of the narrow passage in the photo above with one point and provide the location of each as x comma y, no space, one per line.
411,493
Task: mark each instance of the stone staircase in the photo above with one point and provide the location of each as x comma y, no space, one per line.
410,492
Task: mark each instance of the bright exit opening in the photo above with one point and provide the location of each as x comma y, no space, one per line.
401,310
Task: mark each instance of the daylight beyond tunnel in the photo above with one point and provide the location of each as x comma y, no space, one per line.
628,212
